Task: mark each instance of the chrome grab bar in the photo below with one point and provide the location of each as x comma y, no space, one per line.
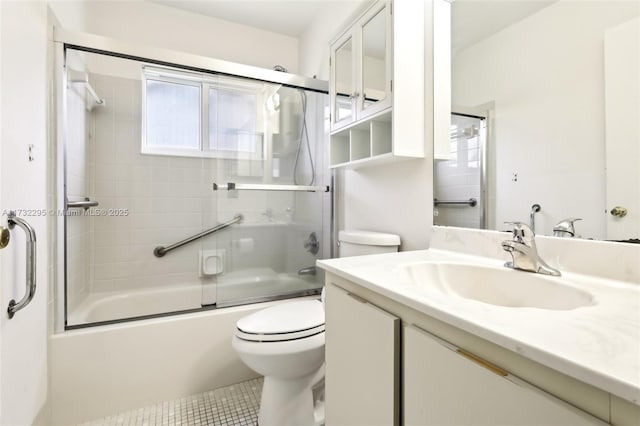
230,186
81,204
14,306
471,202
161,251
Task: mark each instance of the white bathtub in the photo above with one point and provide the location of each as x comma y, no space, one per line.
102,370
241,287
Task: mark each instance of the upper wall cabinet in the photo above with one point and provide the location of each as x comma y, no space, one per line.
361,68
377,85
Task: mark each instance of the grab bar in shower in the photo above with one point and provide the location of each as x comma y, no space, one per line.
85,204
471,202
161,251
230,186
14,306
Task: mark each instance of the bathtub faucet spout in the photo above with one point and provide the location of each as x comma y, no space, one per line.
309,270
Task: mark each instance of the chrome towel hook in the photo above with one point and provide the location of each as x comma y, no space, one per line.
14,306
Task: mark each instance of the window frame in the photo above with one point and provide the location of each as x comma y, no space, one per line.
174,78
204,83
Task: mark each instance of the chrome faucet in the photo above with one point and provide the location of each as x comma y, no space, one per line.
309,270
565,228
524,252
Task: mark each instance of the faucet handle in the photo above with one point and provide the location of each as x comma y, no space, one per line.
521,232
565,226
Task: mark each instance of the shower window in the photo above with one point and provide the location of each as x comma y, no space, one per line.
232,121
172,118
178,118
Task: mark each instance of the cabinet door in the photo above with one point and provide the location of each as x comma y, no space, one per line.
362,362
343,92
374,58
444,385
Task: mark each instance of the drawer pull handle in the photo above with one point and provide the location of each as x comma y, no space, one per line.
484,363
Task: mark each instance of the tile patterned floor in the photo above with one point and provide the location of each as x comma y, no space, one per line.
235,405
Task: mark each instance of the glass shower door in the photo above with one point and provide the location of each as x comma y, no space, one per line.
272,136
142,197
272,253
146,143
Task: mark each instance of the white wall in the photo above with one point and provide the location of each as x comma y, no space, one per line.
313,49
545,75
162,26
23,85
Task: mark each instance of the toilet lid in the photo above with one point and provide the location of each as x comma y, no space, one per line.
288,321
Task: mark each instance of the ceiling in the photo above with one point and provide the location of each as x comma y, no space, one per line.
473,19
288,17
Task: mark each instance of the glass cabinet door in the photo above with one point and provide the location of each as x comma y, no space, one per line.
361,68
375,61
344,74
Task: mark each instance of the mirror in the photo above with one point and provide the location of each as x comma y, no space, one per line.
344,80
554,84
374,59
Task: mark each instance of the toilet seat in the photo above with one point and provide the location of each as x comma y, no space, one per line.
285,322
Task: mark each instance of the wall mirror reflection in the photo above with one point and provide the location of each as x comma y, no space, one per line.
344,80
374,61
555,86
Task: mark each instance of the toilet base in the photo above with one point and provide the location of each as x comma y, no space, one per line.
290,402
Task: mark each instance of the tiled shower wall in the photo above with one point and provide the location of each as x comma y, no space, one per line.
170,198
160,198
79,169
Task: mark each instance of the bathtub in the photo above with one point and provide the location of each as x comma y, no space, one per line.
235,288
102,370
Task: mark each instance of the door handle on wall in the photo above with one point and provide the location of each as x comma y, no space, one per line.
14,306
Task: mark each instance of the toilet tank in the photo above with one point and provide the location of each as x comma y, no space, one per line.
358,243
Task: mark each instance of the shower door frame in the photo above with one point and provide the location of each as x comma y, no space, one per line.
63,39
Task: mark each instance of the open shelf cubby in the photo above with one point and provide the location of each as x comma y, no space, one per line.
362,141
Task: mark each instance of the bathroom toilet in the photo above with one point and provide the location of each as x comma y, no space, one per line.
285,343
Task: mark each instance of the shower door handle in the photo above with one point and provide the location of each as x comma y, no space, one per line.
14,306
81,204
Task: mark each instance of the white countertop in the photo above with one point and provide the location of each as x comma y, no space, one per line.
598,344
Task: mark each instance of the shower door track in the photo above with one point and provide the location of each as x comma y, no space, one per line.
164,57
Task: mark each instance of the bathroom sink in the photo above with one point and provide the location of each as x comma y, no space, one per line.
499,286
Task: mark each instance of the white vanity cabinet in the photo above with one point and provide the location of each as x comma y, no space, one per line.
377,84
440,374
362,362
445,385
